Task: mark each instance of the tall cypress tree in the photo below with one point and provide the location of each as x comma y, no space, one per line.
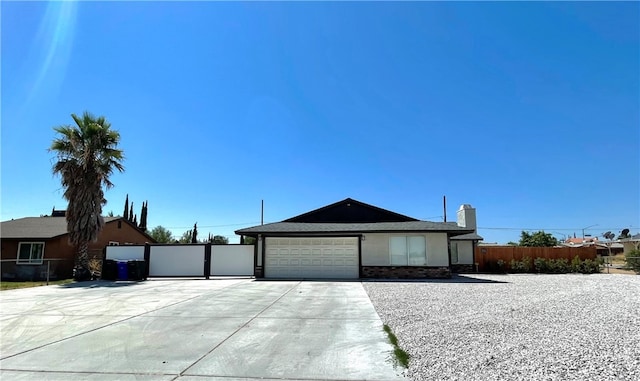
194,234
126,207
143,216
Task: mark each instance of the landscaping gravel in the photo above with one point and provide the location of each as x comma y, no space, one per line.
515,327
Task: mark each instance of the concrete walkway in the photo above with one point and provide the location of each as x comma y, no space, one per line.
193,330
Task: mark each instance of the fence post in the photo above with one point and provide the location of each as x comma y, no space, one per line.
48,270
207,260
147,259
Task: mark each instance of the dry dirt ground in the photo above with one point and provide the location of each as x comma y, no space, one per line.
618,271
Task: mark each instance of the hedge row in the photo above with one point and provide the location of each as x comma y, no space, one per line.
547,266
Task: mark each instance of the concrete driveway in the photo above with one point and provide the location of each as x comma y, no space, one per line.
188,330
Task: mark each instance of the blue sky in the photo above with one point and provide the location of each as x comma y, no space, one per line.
528,111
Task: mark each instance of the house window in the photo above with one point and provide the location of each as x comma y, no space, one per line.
114,243
408,251
454,252
30,253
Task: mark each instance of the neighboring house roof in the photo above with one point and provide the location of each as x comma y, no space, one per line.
613,245
599,245
468,237
340,228
350,211
581,240
42,227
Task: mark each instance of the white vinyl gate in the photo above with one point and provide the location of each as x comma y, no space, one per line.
232,260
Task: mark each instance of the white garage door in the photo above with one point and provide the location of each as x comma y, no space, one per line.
311,258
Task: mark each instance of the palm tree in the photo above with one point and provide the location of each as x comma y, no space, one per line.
86,155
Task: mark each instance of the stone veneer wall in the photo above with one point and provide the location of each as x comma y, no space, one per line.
463,269
405,272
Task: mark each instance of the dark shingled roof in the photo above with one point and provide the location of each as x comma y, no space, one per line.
349,211
468,237
37,227
302,228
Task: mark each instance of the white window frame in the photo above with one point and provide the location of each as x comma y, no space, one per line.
114,243
31,260
407,250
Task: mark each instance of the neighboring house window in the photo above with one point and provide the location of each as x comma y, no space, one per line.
408,251
454,252
30,253
114,243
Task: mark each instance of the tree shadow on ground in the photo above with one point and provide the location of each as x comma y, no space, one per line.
101,284
455,278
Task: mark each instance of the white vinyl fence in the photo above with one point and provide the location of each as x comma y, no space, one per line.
189,260
126,252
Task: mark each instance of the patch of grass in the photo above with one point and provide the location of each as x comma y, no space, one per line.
4,285
402,357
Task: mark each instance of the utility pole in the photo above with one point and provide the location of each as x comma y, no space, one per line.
444,206
583,229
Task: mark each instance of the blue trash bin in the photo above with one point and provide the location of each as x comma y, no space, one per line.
123,270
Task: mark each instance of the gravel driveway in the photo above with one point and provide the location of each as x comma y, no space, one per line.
516,327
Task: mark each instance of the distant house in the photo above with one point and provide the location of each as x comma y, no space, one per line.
31,245
351,239
602,247
580,241
631,243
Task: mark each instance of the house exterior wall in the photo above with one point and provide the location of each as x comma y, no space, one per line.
465,252
630,246
121,232
58,258
375,249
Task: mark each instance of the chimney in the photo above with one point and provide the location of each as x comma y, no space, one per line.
467,217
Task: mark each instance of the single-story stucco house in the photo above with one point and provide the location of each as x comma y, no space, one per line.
350,239
631,243
31,246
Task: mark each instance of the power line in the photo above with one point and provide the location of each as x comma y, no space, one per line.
479,228
212,226
545,229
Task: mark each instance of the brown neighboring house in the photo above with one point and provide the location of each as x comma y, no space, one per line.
30,245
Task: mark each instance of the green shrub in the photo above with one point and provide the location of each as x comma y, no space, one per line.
633,260
541,265
522,266
576,264
559,266
526,264
552,266
590,267
565,265
516,266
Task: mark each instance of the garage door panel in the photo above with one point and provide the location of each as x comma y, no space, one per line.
311,258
